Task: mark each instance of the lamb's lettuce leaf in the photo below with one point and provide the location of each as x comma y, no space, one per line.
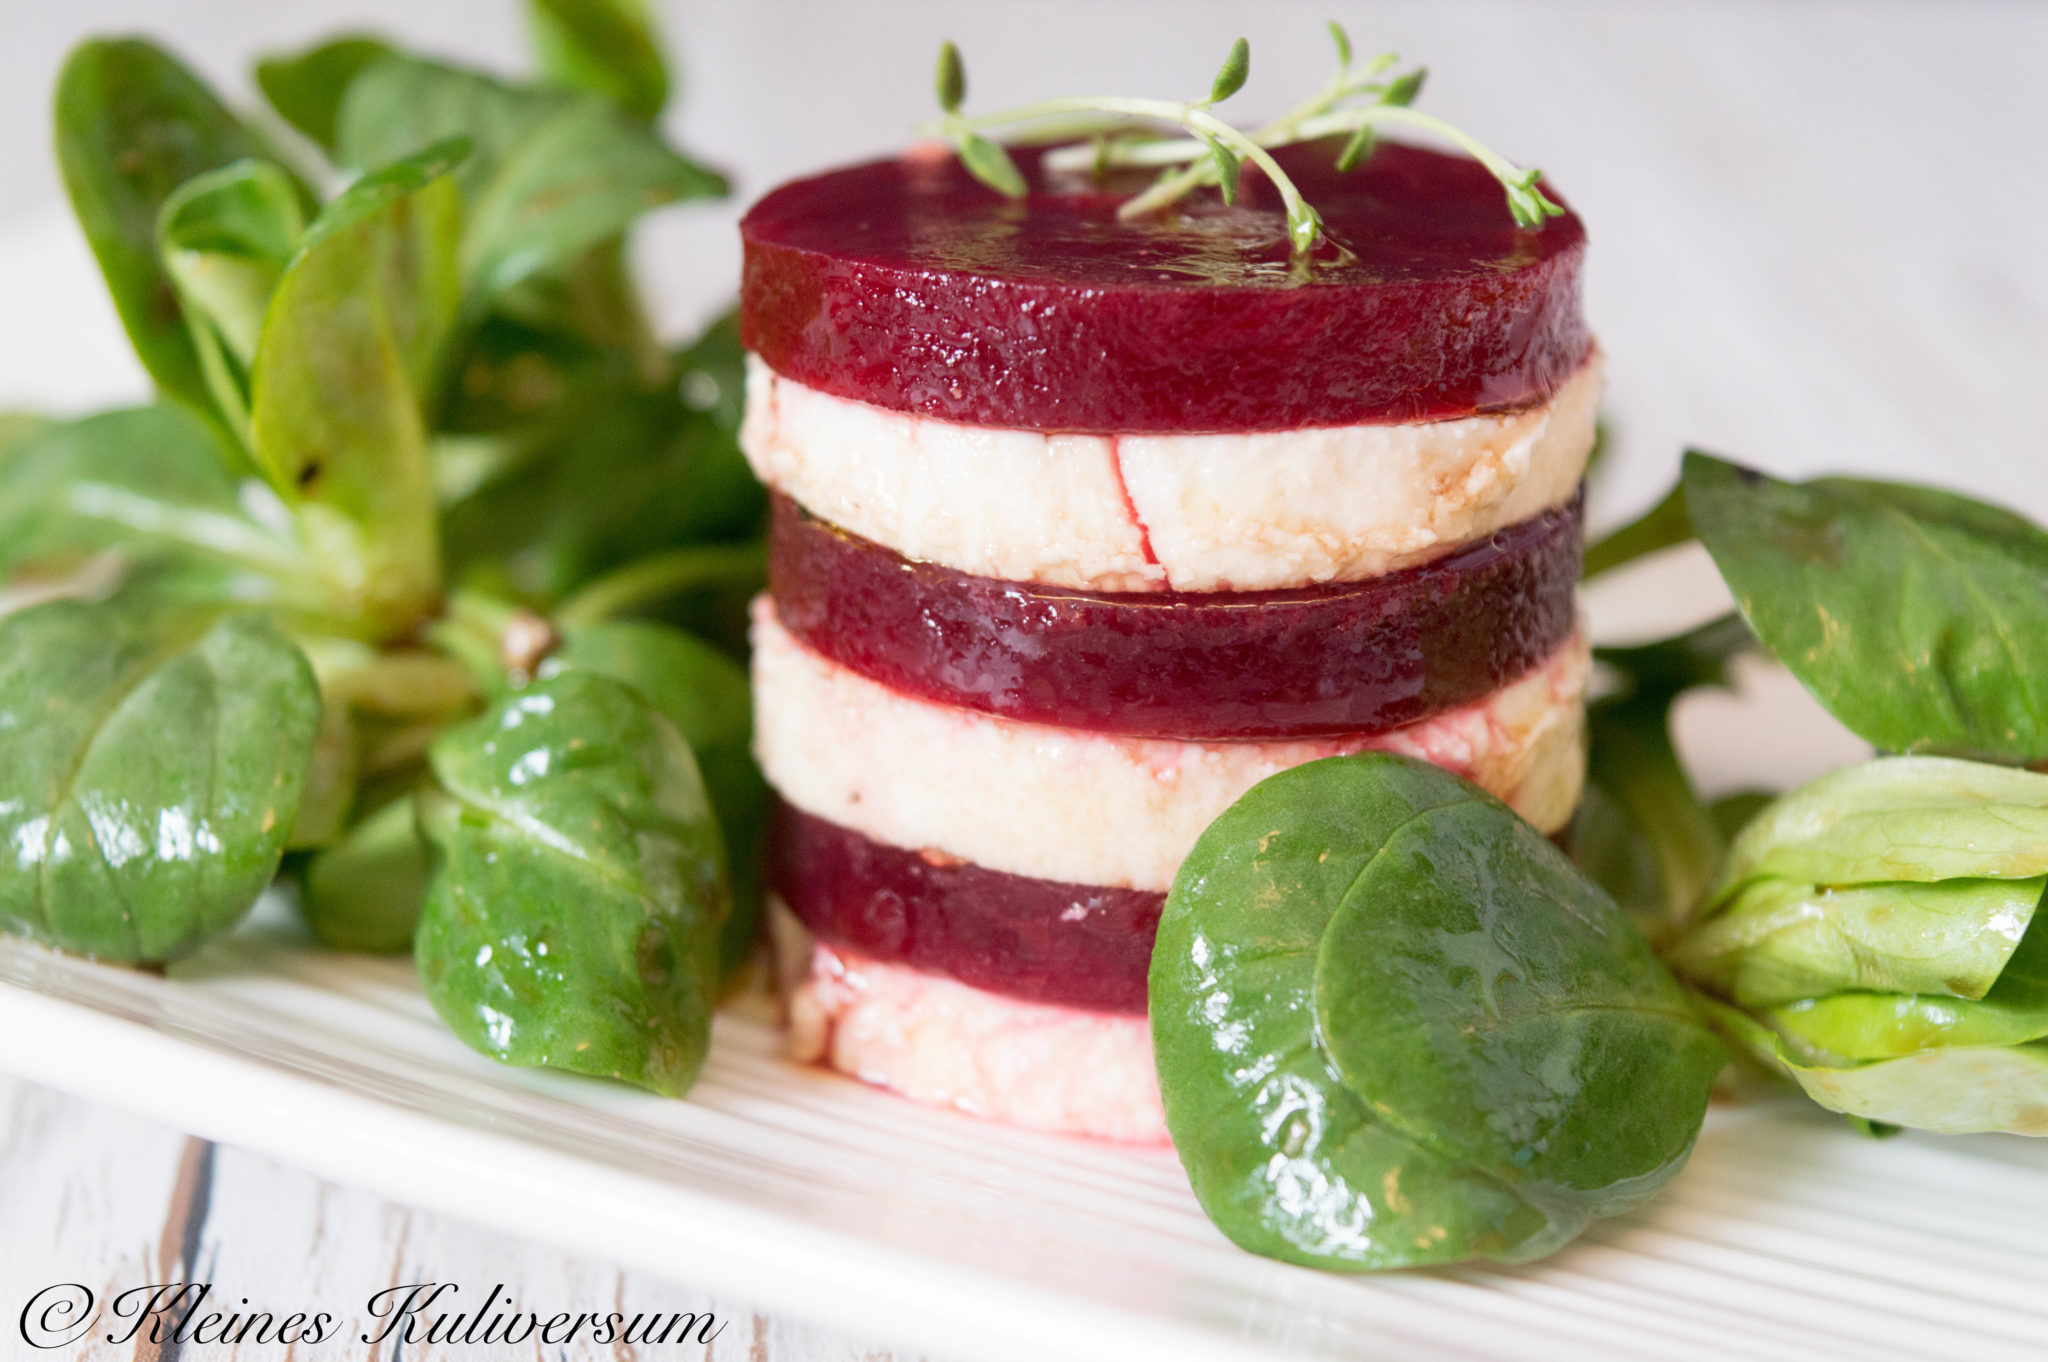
1395,1027
579,886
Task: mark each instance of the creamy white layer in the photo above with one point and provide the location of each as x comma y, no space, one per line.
1156,512
1095,808
937,1041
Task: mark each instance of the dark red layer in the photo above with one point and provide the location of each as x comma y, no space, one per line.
1351,658
906,284
1073,945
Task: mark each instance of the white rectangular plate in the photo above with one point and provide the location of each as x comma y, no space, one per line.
1786,1237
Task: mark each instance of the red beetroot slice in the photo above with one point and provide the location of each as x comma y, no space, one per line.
1072,945
1352,658
908,285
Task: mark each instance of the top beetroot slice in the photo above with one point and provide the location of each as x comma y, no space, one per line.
908,285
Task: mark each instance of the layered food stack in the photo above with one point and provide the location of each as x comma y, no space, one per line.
1083,527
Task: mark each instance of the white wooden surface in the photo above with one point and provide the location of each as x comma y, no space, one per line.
1816,245
92,1195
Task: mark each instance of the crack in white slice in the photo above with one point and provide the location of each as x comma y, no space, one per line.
1096,808
1012,504
1250,512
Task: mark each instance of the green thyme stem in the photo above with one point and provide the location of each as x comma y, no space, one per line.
1304,225
1128,151
1193,115
1164,110
1351,120
1085,129
1306,129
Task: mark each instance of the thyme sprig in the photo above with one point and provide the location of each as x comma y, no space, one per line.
1112,130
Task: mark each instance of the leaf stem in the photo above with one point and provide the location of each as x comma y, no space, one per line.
1303,223
1350,120
664,575
1665,525
1638,766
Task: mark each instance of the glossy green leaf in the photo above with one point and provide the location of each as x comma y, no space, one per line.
1780,941
607,47
1921,1002
364,893
1951,1092
124,844
225,238
1843,1028
573,917
1867,1026
306,88
1898,818
1491,1001
551,173
1394,1027
1961,1090
705,695
590,456
1917,617
154,483
350,354
133,124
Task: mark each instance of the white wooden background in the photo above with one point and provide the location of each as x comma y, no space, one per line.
1816,230
96,1196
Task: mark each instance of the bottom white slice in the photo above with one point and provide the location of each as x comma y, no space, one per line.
937,1041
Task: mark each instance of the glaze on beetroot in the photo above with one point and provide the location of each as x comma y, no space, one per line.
1040,941
906,284
1347,659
